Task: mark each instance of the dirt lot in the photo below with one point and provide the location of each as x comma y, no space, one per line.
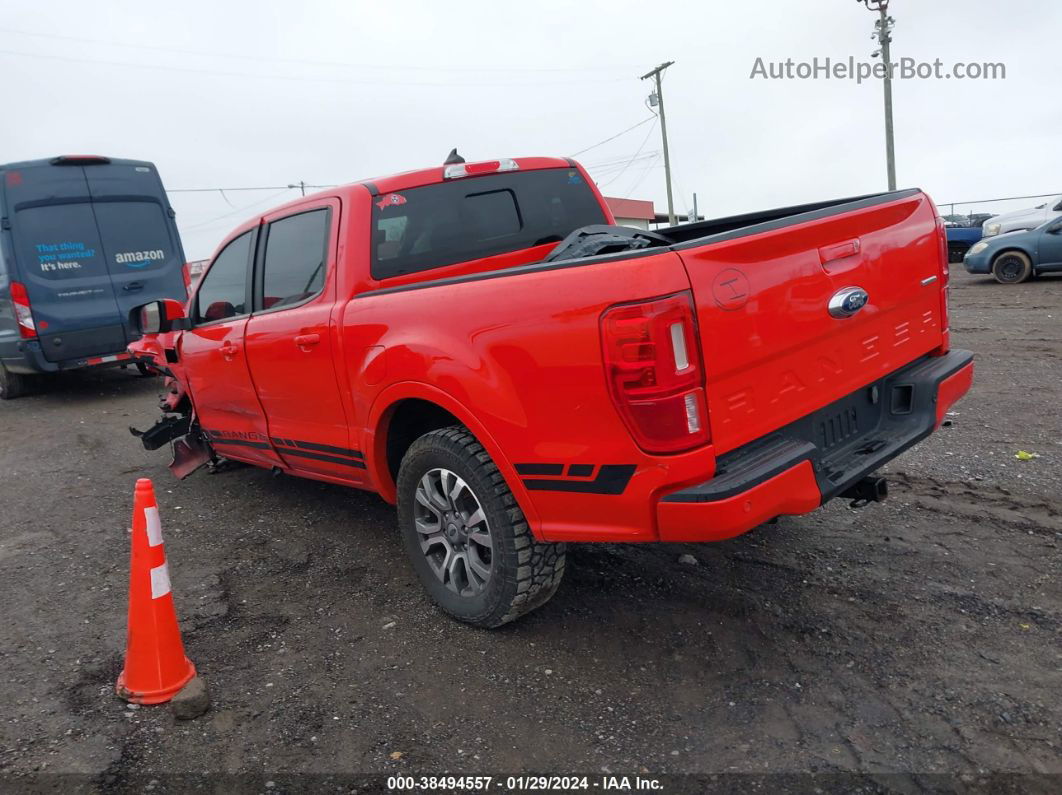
916,638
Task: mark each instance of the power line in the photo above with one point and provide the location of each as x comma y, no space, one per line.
614,137
613,170
641,179
202,224
627,165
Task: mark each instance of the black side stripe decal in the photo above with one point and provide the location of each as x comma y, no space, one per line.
540,469
295,447
321,457
611,479
321,448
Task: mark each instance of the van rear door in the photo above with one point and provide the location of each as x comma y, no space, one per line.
142,251
60,260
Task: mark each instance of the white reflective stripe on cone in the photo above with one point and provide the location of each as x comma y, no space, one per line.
154,526
160,581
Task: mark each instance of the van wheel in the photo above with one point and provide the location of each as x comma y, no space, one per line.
467,538
1012,267
12,385
146,370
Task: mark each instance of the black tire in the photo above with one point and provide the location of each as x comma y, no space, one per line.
12,385
957,253
1012,267
523,573
146,370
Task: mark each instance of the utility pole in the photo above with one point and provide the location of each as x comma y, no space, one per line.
655,74
301,186
883,33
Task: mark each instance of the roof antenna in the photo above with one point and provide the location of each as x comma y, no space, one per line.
453,157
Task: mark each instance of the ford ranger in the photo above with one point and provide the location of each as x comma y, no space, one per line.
480,345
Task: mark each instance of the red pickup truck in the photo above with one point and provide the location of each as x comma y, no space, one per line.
481,345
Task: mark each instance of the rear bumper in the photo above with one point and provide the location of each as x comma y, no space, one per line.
31,360
803,465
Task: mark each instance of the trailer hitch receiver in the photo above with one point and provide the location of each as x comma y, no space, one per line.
867,490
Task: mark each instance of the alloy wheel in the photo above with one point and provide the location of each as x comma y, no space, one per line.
453,532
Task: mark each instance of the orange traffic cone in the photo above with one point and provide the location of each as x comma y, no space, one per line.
155,665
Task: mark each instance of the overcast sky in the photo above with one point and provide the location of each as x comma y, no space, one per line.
264,94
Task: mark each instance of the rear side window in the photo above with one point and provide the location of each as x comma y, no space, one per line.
223,293
475,217
136,236
59,241
294,266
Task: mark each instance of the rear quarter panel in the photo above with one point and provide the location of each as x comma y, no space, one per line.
518,359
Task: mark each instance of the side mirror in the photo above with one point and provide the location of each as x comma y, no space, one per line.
158,317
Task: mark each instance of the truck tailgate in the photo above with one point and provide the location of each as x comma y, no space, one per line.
772,350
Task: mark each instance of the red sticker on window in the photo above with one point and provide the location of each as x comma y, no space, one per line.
391,200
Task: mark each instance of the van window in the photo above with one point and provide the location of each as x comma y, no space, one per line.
223,293
475,217
294,264
59,241
135,235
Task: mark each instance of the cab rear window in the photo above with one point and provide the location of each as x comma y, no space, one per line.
467,219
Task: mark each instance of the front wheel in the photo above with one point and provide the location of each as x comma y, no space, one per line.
467,538
1012,267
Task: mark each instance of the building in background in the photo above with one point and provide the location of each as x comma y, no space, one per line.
632,212
640,213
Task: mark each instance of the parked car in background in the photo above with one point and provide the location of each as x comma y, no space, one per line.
84,239
1016,256
960,238
1023,219
479,344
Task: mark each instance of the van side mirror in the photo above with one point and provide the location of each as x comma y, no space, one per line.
158,317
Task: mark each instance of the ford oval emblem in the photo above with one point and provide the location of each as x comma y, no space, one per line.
847,301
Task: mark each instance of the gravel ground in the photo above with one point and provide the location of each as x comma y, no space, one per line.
917,640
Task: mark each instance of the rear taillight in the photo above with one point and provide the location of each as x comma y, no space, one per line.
23,314
186,271
945,280
655,373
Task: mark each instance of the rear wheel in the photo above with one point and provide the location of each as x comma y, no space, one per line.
12,385
467,538
1012,267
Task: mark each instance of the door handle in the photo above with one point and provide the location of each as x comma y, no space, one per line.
133,286
306,340
228,350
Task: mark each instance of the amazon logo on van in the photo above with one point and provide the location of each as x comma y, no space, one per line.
139,259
